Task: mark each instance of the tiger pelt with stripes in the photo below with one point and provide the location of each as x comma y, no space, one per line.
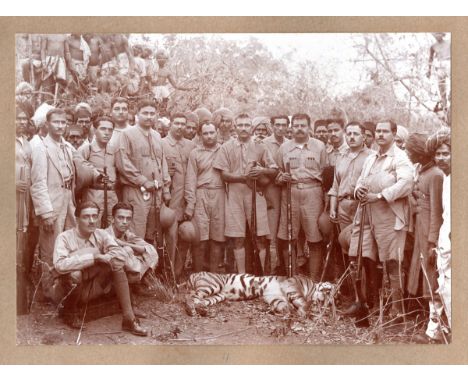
279,292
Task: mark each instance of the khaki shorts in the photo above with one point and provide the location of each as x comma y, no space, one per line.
209,213
239,208
379,236
307,206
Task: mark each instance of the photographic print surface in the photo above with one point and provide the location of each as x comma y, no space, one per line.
139,158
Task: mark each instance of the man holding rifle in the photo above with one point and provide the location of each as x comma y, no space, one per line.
142,168
204,198
343,204
177,149
235,160
23,205
383,188
306,158
102,158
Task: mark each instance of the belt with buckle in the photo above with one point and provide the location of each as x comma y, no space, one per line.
347,197
303,185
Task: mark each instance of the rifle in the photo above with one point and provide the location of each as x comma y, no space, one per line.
104,219
154,218
289,221
253,226
21,239
359,309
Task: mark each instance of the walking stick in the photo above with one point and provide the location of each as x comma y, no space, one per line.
289,221
253,226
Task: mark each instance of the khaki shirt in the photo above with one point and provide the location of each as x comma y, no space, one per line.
273,145
347,171
201,174
99,157
140,157
70,252
335,154
307,160
129,237
177,154
114,143
235,156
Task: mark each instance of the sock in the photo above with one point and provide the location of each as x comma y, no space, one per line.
239,255
262,255
123,293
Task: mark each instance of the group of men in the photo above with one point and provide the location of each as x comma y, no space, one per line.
86,64
322,184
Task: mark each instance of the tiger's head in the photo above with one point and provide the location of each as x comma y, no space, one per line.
322,292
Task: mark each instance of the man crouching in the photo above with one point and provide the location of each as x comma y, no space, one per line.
91,262
141,256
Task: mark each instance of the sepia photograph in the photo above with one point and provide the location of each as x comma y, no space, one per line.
233,188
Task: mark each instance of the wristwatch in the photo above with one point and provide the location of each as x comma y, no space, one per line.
379,196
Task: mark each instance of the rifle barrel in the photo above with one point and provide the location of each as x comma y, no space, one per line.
289,221
104,222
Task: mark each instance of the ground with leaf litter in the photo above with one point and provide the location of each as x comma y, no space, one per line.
228,323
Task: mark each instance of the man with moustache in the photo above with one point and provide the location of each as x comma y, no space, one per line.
91,262
370,134
56,166
320,131
261,128
223,120
338,145
177,149
307,158
75,136
273,192
100,156
439,145
83,115
191,127
235,161
343,204
119,115
141,162
24,253
383,188
204,197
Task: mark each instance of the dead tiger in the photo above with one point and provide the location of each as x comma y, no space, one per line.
280,293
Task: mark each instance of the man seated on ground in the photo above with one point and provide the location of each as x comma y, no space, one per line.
141,256
91,263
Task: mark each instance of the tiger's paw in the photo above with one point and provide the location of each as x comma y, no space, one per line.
201,310
190,308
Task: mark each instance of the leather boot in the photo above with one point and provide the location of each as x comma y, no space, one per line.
396,309
133,327
357,309
372,285
315,260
